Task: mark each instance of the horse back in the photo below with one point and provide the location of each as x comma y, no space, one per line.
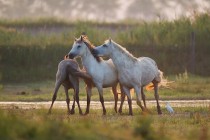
65,71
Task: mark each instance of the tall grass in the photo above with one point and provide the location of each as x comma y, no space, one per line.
30,52
189,123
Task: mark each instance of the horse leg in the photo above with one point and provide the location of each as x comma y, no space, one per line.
100,90
114,90
77,99
127,92
157,96
75,83
143,97
73,105
138,96
57,85
122,99
67,99
88,91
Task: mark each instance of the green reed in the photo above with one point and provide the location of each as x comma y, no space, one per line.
30,51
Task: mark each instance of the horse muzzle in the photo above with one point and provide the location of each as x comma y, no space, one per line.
95,52
71,56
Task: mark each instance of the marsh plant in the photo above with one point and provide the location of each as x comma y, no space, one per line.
182,77
24,43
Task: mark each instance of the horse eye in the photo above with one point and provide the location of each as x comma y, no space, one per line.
105,45
78,46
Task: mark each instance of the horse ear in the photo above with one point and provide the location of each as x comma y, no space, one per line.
81,38
83,33
66,57
110,40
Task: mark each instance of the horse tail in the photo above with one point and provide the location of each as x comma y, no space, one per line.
162,82
149,87
160,77
83,75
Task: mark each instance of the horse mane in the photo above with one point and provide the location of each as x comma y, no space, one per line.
124,51
90,46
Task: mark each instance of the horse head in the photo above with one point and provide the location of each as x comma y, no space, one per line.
81,46
104,49
78,48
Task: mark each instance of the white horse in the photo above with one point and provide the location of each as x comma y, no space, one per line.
132,72
103,73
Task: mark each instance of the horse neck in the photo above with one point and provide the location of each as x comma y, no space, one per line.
122,59
88,60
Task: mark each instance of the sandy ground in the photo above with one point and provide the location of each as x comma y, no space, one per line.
97,104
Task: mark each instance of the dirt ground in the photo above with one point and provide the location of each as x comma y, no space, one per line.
97,104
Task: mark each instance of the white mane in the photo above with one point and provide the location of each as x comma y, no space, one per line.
123,50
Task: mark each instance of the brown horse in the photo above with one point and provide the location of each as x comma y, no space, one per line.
68,75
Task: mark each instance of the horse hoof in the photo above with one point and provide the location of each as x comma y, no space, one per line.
143,109
146,111
159,110
49,113
160,113
80,113
120,112
86,113
72,112
130,114
104,113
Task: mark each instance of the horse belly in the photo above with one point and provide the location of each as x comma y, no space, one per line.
110,80
149,75
146,80
126,80
67,84
109,75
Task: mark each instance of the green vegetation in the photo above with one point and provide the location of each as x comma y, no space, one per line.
187,123
31,49
185,86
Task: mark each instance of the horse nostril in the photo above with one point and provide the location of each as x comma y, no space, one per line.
71,56
95,52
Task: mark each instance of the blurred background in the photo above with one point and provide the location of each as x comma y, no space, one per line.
103,11
36,34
